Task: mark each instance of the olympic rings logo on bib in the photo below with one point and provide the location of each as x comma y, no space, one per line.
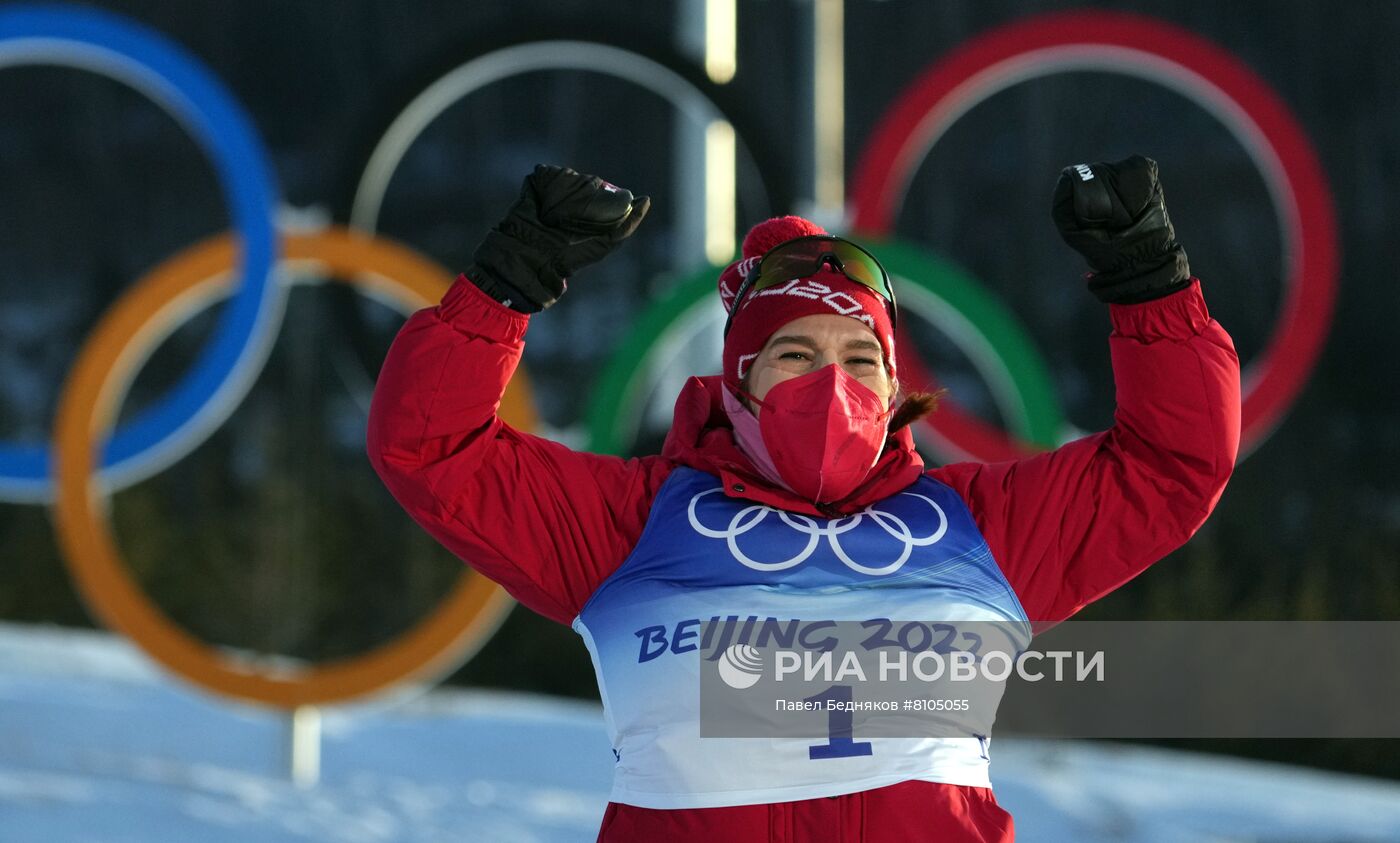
749,517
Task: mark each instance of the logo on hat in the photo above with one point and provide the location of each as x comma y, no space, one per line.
806,288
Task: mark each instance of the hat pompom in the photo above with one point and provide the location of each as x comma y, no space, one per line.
771,232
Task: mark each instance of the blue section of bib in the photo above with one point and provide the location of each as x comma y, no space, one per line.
922,539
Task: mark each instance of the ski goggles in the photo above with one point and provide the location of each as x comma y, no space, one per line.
803,257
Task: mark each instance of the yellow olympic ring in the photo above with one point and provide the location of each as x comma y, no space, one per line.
91,398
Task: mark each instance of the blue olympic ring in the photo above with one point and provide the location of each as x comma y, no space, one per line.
178,82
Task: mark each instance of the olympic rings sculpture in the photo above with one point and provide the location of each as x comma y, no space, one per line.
175,80
187,283
1186,63
107,363
750,517
89,460
987,64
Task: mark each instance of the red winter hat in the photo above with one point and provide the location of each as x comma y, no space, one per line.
759,316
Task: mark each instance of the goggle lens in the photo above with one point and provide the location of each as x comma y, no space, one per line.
805,257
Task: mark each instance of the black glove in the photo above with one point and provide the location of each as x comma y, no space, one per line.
563,221
1114,215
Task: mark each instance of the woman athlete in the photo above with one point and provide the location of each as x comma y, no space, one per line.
805,423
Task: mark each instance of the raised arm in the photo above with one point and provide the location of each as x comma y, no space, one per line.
547,523
1071,525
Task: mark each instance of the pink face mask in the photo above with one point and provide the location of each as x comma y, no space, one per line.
823,431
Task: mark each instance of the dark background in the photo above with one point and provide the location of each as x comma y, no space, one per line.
275,534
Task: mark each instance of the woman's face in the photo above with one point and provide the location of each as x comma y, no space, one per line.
812,342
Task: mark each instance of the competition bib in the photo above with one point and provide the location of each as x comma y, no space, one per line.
707,561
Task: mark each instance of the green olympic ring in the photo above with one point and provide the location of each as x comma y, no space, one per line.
973,319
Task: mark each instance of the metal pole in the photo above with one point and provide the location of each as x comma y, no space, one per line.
304,728
829,109
705,155
821,142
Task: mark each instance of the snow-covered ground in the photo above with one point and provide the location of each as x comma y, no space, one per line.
96,744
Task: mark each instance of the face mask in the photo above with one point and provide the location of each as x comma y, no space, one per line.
824,432
750,439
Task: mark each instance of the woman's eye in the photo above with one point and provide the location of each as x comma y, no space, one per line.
792,355
861,361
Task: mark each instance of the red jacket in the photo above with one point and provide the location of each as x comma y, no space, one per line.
550,524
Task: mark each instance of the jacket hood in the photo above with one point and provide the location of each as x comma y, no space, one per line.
702,438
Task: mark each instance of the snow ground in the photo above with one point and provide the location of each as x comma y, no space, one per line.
99,746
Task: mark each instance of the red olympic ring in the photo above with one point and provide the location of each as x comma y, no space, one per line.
956,431
1173,57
